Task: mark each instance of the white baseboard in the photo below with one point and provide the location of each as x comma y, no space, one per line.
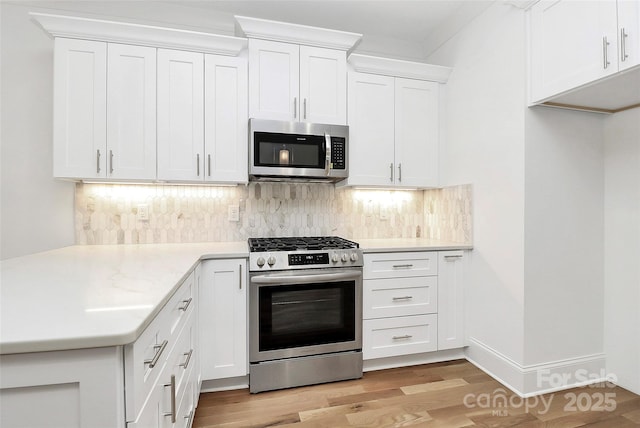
227,384
412,360
536,379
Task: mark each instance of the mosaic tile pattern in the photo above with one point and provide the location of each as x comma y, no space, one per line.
448,214
108,213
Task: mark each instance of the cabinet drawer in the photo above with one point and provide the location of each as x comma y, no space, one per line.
400,265
388,337
180,306
400,297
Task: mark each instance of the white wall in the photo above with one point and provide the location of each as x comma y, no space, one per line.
622,247
36,211
484,134
564,235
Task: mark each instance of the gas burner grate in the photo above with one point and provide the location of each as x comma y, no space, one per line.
307,243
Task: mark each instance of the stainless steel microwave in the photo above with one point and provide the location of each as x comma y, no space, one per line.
297,151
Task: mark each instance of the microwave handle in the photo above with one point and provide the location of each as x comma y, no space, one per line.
327,142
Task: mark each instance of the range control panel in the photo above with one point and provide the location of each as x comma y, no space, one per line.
308,259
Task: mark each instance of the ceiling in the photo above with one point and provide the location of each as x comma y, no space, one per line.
428,23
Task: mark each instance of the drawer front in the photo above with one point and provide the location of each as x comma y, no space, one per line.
180,306
400,297
400,265
389,337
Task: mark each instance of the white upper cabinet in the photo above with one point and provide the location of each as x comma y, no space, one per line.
574,44
180,115
416,133
297,83
131,112
371,129
79,120
225,110
297,72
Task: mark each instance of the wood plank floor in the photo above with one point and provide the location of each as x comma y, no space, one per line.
450,394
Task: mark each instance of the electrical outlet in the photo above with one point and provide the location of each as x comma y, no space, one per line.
233,213
143,212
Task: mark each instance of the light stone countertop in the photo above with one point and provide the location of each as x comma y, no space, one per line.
87,296
93,296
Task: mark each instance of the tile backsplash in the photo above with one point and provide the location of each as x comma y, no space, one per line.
108,213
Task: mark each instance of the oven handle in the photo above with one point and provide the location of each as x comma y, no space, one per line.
278,279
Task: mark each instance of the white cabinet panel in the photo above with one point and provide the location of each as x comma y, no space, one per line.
371,129
416,133
131,112
226,119
180,115
451,280
79,122
629,33
388,337
399,297
223,319
400,265
273,80
323,85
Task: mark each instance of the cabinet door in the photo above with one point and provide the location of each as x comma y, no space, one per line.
226,119
572,43
180,115
451,278
273,80
80,100
223,319
629,33
323,85
131,112
371,129
416,133
150,416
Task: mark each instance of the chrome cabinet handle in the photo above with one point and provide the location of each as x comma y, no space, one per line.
173,399
110,161
405,266
327,160
399,172
623,45
209,164
452,258
240,277
391,172
295,107
198,164
97,161
186,362
159,350
605,45
189,418
186,304
395,299
304,104
406,336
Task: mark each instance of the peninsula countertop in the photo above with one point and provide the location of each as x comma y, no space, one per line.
87,296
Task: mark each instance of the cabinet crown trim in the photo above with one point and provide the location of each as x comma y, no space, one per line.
296,33
399,68
138,34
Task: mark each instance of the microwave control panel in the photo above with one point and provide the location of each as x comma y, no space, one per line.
338,153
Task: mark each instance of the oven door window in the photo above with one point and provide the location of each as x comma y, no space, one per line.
291,151
305,315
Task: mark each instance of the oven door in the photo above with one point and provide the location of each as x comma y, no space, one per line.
304,312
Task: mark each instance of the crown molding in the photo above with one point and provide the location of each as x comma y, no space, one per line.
145,35
295,33
399,68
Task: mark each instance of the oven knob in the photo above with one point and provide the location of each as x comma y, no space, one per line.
344,258
334,258
354,257
260,261
271,260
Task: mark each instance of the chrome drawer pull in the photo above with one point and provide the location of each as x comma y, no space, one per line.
186,362
173,399
452,258
159,350
402,298
189,418
406,336
407,266
186,304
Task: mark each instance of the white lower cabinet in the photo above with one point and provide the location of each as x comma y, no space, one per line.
412,303
223,319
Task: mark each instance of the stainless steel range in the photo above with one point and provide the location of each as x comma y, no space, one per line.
305,311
